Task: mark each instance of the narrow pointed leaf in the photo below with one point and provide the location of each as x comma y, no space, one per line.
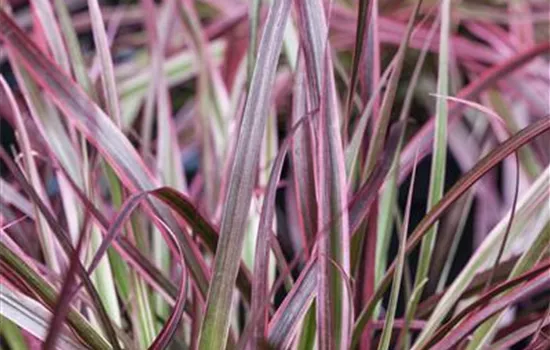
215,326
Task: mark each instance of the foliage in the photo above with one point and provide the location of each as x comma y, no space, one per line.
252,174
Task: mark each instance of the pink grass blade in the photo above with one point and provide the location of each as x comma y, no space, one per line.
163,339
389,192
167,332
284,323
106,62
363,16
365,196
73,48
213,104
63,239
181,205
99,130
63,303
45,236
254,26
303,163
168,153
133,256
260,287
382,121
439,159
215,326
531,207
353,147
44,12
521,138
531,281
529,258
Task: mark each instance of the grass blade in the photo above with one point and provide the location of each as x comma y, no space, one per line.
439,159
284,322
215,326
45,234
99,130
31,316
63,303
483,254
46,18
105,60
468,180
63,239
363,16
487,79
399,266
75,54
332,301
536,280
48,295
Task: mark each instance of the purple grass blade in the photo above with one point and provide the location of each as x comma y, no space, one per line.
303,163
65,295
285,321
215,326
260,288
99,130
63,238
361,203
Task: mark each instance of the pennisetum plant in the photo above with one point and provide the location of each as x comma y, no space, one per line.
342,174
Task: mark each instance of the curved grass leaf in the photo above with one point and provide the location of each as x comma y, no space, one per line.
424,137
537,280
284,323
100,131
45,236
531,205
63,238
63,303
494,157
168,330
260,289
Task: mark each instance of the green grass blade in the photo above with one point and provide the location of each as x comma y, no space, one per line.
439,159
10,331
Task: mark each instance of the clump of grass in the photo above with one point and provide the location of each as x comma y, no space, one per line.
226,174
